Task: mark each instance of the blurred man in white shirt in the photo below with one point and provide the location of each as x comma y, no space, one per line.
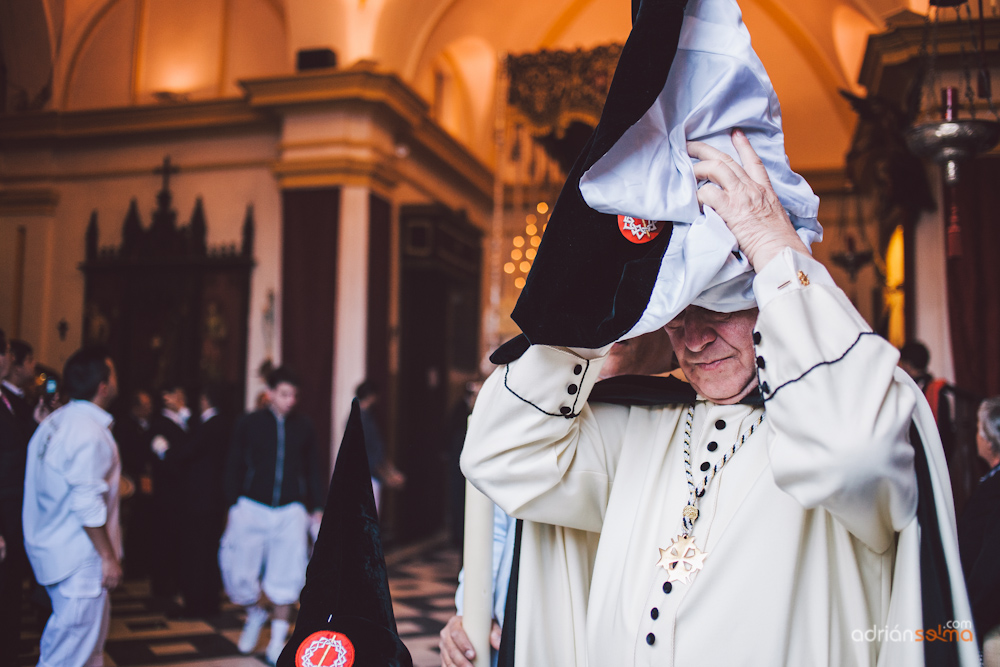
71,528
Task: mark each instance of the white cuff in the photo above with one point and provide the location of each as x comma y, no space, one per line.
89,505
788,271
555,380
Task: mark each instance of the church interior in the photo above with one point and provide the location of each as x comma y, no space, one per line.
356,189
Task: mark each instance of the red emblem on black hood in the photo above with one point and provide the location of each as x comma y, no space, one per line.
325,649
638,230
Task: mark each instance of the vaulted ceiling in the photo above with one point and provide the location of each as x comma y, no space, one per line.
86,54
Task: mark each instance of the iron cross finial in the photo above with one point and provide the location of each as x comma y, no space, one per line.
167,169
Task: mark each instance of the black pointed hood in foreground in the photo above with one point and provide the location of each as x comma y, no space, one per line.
345,615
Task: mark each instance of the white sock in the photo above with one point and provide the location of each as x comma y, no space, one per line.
279,631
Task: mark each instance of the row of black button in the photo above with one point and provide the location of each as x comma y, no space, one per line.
761,364
571,390
654,613
712,446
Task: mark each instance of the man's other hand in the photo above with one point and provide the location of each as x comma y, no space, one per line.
3,549
456,649
111,573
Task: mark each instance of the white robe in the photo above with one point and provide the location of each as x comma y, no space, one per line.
810,530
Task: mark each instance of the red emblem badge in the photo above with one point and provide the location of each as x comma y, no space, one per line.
638,230
325,649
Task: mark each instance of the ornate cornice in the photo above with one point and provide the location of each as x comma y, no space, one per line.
360,90
899,47
28,201
363,82
366,89
376,175
131,121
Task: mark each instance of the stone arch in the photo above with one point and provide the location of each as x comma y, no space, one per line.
468,66
115,53
27,41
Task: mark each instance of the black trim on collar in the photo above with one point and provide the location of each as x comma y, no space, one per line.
653,391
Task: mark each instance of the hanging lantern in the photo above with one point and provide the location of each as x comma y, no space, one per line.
953,138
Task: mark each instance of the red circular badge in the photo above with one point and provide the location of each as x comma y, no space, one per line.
325,649
638,230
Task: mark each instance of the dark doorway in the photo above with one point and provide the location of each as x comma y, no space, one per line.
310,222
439,342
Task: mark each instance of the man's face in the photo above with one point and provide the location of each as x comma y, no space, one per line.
910,369
283,398
983,446
174,400
22,373
715,351
143,406
111,393
6,361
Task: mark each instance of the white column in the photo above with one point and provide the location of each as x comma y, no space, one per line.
932,327
478,563
351,308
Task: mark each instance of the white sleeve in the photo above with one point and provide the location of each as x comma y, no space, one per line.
839,419
534,445
85,469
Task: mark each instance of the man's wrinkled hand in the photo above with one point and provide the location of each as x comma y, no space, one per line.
456,649
745,200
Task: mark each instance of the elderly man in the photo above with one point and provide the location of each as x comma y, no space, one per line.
775,507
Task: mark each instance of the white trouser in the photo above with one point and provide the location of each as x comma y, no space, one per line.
81,611
272,540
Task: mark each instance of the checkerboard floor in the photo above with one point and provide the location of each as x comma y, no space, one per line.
423,593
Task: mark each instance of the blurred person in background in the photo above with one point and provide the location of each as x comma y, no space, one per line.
13,562
200,462
273,491
979,536
71,530
383,472
19,385
168,429
132,432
